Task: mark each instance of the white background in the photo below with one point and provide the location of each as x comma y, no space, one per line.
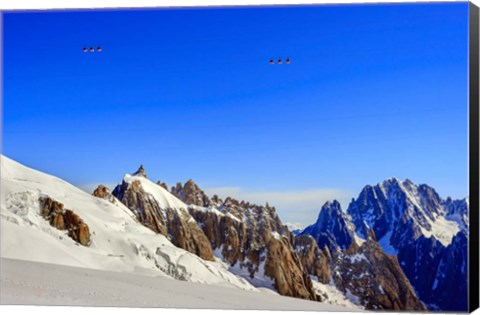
47,4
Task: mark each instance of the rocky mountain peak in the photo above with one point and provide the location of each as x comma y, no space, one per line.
101,191
160,211
140,172
332,228
329,210
191,194
414,223
164,185
216,200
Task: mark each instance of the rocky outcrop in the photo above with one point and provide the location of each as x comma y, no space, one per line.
226,234
191,194
250,236
252,239
104,193
163,185
374,279
64,219
315,261
140,172
174,222
283,265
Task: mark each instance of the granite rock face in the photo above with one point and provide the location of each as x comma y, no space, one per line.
315,261
252,239
104,193
191,194
64,219
366,274
174,222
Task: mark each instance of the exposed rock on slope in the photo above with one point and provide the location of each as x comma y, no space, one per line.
252,239
375,279
158,210
104,193
359,269
315,261
191,194
64,219
283,265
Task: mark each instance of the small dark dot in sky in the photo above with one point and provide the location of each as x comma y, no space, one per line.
91,49
85,49
279,61
99,49
287,61
272,61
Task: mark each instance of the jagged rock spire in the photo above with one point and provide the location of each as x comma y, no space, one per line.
164,185
140,172
191,194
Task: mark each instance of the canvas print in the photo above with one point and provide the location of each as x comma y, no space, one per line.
280,158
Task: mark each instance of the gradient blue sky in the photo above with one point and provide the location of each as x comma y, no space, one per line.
373,91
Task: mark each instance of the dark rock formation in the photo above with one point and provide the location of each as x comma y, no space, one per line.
331,228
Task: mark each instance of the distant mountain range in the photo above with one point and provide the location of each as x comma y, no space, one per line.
398,246
428,236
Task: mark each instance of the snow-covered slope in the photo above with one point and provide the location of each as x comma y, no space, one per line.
27,282
165,199
118,241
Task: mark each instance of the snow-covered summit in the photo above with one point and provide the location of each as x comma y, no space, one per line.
423,230
384,206
164,198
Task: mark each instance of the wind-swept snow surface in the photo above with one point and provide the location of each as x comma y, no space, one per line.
38,283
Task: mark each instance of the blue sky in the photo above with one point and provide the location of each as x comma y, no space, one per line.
373,91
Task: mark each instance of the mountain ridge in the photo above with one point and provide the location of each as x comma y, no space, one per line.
252,243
